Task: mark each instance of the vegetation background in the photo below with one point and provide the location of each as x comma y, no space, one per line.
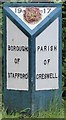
42,114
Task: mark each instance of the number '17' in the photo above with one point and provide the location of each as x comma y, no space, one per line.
47,10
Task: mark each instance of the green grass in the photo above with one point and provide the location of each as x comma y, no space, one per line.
0,52
53,112
38,114
16,115
50,114
0,116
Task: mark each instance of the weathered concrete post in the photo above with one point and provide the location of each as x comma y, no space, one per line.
32,55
